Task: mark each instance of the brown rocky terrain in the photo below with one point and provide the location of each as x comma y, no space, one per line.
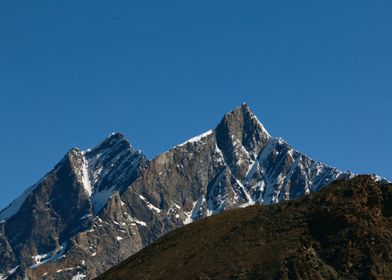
342,232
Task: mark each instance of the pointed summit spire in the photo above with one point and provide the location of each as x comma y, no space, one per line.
241,135
244,107
243,125
116,135
115,141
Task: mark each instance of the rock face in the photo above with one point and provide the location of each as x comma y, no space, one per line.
98,207
342,232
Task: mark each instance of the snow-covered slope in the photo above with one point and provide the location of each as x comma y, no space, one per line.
97,207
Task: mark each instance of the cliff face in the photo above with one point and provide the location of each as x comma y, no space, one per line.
342,232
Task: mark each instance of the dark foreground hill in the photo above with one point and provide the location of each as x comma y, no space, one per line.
341,232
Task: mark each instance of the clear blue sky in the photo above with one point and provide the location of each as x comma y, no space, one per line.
317,73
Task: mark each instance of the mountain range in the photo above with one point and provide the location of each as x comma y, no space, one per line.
96,208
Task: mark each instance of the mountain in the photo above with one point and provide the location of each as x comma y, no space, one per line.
342,232
39,227
98,207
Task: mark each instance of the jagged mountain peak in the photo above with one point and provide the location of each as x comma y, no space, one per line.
116,134
245,116
241,125
116,137
240,136
111,166
243,108
93,169
115,140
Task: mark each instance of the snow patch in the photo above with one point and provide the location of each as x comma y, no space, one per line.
50,256
197,138
377,178
191,215
86,216
149,205
12,271
248,197
79,276
139,222
85,177
65,269
100,198
135,221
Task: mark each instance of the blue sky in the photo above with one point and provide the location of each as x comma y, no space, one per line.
317,73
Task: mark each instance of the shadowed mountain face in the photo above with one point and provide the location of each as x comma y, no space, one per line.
341,232
98,207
